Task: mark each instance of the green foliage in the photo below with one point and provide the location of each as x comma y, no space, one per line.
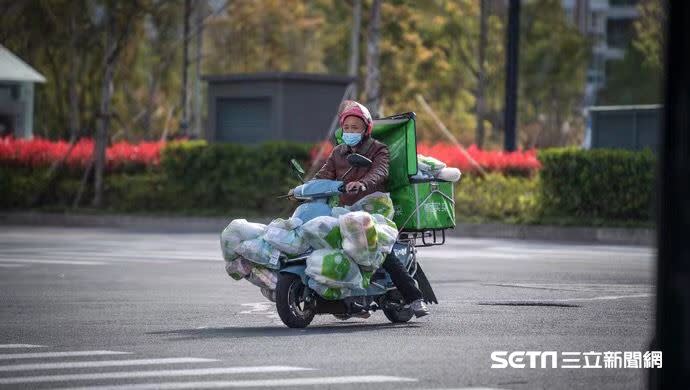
497,197
600,183
229,176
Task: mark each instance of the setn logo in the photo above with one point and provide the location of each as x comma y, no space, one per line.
519,359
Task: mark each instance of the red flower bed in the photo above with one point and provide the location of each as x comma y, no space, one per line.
39,152
518,162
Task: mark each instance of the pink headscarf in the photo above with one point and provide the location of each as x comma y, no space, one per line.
352,108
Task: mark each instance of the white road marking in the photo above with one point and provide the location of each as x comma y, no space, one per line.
319,381
102,363
149,374
545,300
7,265
21,346
46,261
38,355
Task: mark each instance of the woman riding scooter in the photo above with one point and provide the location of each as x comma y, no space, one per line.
357,123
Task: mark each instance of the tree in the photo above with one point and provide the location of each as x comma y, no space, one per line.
553,65
372,83
649,29
354,41
636,79
117,24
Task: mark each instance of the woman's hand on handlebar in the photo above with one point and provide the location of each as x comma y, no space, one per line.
355,186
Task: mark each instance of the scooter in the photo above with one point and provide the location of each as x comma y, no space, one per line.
297,304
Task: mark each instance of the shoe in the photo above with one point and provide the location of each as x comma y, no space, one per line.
419,308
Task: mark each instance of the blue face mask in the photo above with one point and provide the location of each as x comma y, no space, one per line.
352,139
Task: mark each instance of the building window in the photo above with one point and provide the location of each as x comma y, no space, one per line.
619,33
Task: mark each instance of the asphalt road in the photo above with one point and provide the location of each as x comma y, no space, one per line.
133,310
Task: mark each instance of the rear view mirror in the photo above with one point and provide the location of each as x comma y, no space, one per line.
297,167
358,161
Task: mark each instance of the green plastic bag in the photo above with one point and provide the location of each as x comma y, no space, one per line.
375,203
237,231
333,268
329,293
323,233
360,238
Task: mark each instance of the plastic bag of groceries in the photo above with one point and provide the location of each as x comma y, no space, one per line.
375,203
360,238
333,268
386,233
263,277
327,292
238,268
323,233
286,236
449,174
237,231
260,252
429,164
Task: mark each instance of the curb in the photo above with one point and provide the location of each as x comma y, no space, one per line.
591,235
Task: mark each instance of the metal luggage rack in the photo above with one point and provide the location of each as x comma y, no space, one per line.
430,237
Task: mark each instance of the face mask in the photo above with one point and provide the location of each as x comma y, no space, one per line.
352,139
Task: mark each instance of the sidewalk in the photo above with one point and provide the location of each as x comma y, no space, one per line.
592,235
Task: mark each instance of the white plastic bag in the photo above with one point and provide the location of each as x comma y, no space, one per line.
238,268
259,252
375,203
449,174
429,164
386,237
333,268
237,231
263,277
286,236
323,233
329,293
360,238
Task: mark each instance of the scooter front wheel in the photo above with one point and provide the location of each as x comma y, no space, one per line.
292,308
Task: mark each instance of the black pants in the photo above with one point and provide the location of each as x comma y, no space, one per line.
402,279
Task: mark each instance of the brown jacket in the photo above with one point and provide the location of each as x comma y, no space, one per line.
374,177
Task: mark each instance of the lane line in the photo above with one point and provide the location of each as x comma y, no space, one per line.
21,346
101,363
148,374
334,380
45,261
6,265
38,355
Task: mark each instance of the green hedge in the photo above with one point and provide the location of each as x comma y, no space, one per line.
596,187
229,176
497,197
193,176
600,183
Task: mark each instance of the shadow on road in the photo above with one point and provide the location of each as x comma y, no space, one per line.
277,331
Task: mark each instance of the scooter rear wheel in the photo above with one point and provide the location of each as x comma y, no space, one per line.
398,313
293,310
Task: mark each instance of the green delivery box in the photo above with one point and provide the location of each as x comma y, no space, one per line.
424,205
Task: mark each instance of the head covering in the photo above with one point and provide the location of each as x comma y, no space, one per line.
352,108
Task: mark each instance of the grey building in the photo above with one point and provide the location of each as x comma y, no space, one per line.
253,108
626,127
17,81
